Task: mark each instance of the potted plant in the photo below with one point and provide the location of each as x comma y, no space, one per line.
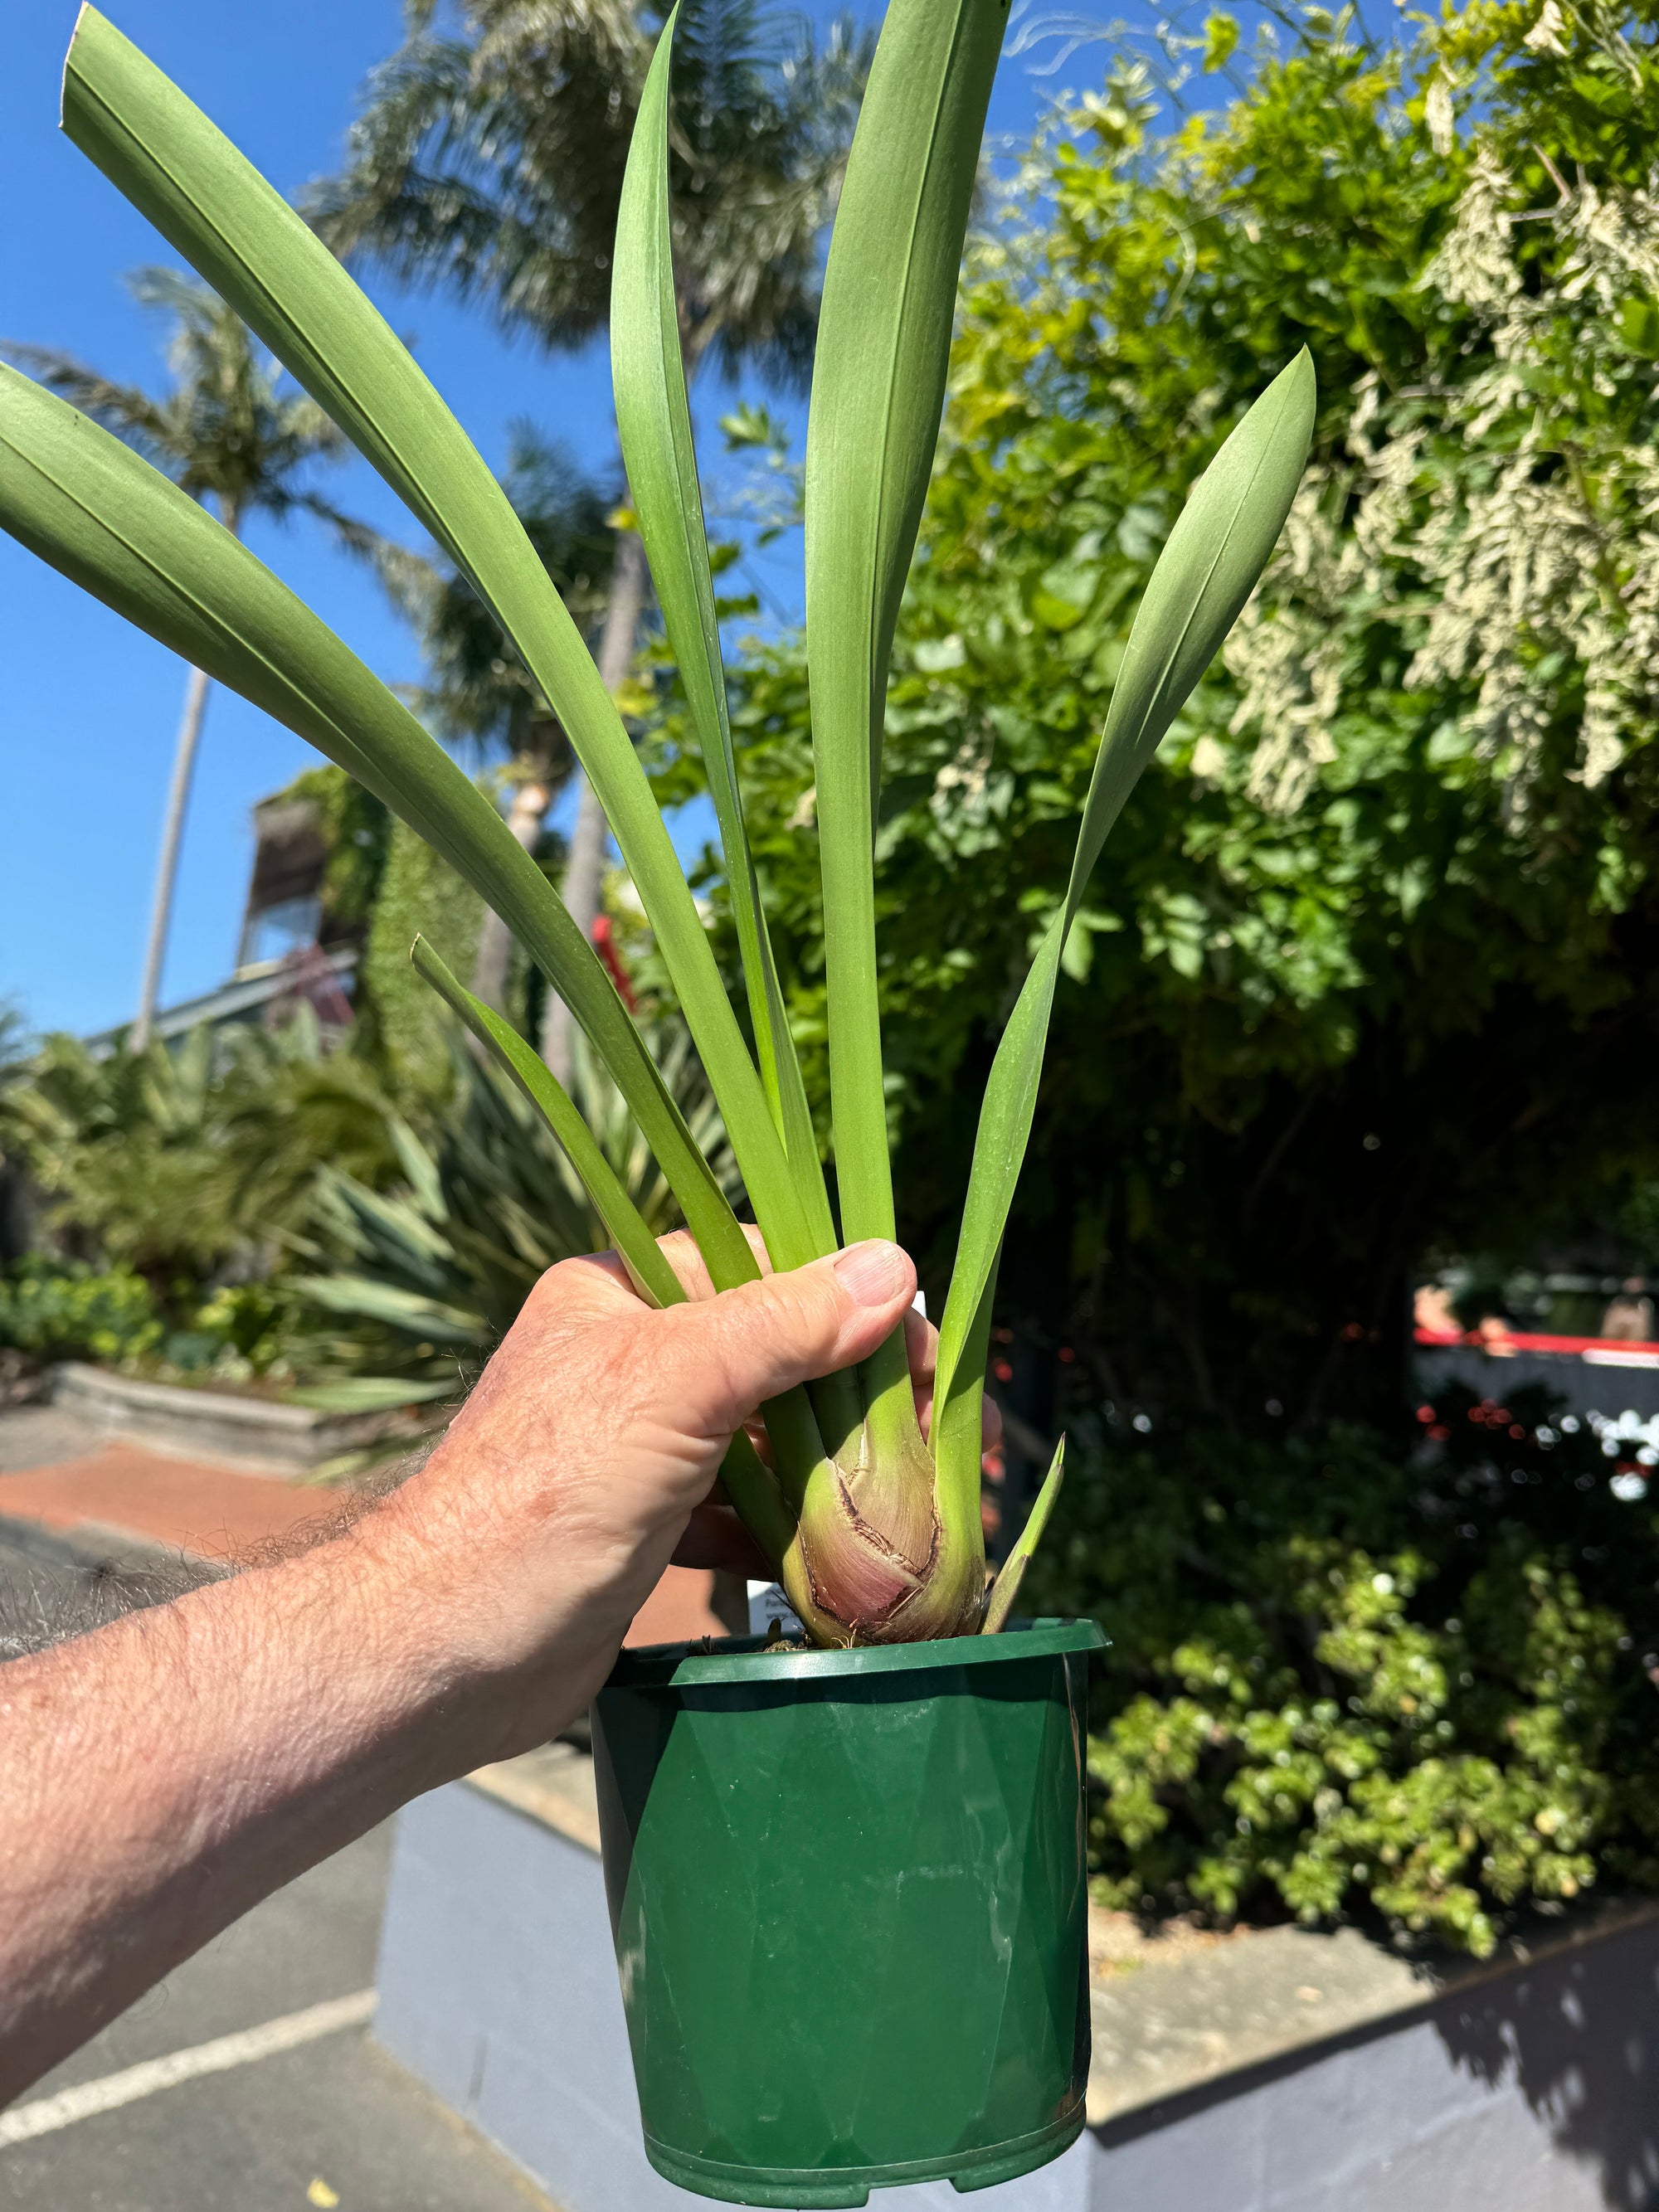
847,1880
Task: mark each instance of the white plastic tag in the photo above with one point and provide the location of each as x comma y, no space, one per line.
767,1603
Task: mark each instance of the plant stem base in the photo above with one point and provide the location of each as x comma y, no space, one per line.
810,2189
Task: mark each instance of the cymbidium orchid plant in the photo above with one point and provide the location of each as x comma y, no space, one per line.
874,1529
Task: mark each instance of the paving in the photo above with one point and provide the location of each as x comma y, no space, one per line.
209,1512
334,2122
115,1499
331,2122
34,1435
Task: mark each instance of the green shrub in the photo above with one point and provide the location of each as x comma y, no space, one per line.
191,1160
418,893
1347,1677
55,1310
240,1332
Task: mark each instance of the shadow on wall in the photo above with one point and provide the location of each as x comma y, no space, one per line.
1578,2037
1527,2088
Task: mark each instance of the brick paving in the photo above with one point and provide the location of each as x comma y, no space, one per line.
210,1512
108,1491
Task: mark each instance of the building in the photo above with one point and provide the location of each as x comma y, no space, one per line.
290,947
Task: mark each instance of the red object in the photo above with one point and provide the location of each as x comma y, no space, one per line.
309,974
1610,1350
605,944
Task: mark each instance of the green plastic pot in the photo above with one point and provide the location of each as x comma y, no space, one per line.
847,1892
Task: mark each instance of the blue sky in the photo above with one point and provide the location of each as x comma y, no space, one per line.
89,708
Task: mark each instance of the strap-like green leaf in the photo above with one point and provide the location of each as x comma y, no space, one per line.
1006,1589
216,209
387,1301
877,386
638,1250
88,505
1205,572
647,372
752,1489
956,1435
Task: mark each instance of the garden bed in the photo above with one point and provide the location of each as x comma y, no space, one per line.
233,1428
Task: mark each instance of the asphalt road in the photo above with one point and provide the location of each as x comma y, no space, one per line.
331,2123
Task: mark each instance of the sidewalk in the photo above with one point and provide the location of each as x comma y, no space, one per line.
250,2078
59,1474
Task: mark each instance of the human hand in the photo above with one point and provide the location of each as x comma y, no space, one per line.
541,1524
715,1536
245,1730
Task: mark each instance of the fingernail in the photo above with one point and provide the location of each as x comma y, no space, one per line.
873,1274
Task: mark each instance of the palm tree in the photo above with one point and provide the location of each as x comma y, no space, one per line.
490,162
228,431
477,689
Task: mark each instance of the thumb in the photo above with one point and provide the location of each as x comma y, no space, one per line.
730,1353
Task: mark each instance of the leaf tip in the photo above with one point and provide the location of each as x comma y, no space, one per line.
429,967
87,21
1302,382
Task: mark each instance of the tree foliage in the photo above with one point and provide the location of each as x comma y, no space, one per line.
475,689
178,1162
414,1284
489,157
1365,973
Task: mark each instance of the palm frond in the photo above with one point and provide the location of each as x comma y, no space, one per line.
491,163
420,1281
476,688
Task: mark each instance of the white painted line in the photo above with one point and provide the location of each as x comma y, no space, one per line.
47,2114
1638,1356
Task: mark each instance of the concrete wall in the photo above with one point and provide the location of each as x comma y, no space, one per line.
1535,2090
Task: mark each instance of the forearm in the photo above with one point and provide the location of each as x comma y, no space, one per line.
159,1776
162,1774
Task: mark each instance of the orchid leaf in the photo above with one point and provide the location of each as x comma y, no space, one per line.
215,209
859,1541
955,1436
638,1250
748,1484
1006,1589
890,293
1208,569
89,506
654,421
